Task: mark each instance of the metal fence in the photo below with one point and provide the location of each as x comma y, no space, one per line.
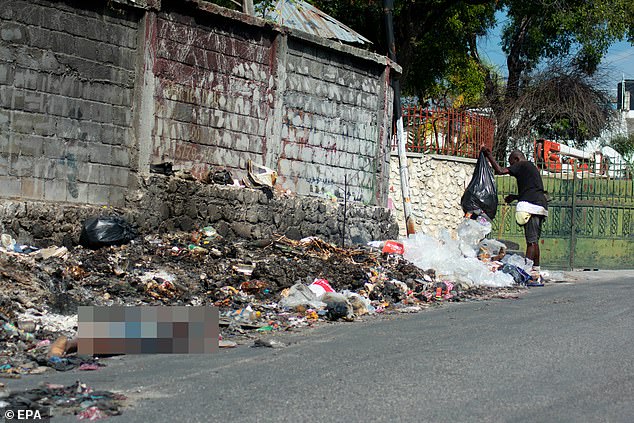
446,131
590,220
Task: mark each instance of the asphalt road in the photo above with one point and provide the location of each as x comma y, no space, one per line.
561,353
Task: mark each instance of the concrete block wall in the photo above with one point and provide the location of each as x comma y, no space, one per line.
330,122
66,91
93,93
214,92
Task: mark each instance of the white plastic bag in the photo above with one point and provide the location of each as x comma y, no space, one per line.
493,246
298,295
446,257
516,260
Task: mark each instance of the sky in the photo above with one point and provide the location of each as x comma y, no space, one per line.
618,62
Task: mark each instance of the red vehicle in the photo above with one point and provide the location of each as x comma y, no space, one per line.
553,157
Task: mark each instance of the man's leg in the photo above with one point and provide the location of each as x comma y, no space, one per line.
532,252
532,233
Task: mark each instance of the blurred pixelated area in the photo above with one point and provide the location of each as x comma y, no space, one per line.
104,330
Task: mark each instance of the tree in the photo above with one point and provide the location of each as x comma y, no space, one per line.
431,38
436,45
560,103
540,30
624,145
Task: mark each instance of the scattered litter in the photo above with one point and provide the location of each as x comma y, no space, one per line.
261,288
393,247
89,366
226,344
553,276
78,399
259,176
516,260
245,269
162,168
455,258
320,287
46,253
269,343
219,176
519,275
301,295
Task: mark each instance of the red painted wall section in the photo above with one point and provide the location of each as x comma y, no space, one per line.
214,93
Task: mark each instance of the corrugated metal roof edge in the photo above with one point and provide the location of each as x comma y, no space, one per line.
304,15
212,8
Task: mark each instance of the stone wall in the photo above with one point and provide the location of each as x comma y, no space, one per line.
166,204
436,186
252,214
66,93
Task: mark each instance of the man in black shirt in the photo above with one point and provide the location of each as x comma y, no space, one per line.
532,206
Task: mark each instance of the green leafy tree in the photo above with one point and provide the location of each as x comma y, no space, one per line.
624,145
432,41
437,46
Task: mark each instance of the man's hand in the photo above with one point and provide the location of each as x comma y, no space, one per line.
510,198
484,149
496,167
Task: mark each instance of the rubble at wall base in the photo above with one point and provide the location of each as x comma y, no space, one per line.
162,204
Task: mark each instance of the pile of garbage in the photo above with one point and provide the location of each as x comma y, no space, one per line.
260,286
51,399
469,258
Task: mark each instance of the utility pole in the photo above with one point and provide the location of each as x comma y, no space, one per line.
388,7
247,7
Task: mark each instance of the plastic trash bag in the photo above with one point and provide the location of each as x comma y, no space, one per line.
494,246
337,306
444,255
300,295
470,232
102,231
516,260
519,275
481,194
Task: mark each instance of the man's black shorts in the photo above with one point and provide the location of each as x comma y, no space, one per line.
533,228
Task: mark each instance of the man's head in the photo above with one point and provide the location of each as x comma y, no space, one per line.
516,156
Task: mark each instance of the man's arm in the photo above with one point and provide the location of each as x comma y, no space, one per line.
499,170
510,198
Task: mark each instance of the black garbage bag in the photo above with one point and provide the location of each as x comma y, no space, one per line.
102,231
481,194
